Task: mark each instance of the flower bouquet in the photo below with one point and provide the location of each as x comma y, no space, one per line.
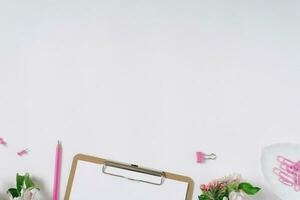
25,189
228,188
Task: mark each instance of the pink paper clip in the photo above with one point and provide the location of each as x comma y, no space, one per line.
2,142
22,152
297,187
201,157
288,172
296,167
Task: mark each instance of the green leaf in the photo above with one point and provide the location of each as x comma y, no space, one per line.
20,182
28,182
248,188
232,187
203,197
14,192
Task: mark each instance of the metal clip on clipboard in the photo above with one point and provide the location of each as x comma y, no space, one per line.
135,169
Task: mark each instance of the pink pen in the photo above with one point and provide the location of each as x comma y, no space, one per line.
56,172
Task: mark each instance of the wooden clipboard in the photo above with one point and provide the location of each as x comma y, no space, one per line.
131,167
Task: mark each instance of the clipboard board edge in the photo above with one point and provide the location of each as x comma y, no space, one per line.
93,159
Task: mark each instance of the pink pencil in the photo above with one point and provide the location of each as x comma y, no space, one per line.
56,172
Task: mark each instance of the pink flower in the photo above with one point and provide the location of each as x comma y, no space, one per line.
203,187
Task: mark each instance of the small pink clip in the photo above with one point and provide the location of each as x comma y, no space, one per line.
2,142
288,172
22,152
297,186
201,157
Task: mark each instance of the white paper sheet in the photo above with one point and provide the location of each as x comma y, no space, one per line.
91,184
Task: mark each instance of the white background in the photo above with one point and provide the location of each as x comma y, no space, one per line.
148,82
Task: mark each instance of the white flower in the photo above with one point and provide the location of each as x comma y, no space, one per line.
237,196
231,178
27,195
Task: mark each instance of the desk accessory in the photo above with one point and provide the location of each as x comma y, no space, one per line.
55,192
93,177
2,142
22,152
280,167
288,172
201,157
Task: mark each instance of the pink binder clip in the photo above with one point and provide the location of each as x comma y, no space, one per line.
201,157
2,142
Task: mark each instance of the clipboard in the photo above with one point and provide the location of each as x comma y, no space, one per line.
101,174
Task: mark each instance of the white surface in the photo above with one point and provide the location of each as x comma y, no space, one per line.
148,82
102,186
269,162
